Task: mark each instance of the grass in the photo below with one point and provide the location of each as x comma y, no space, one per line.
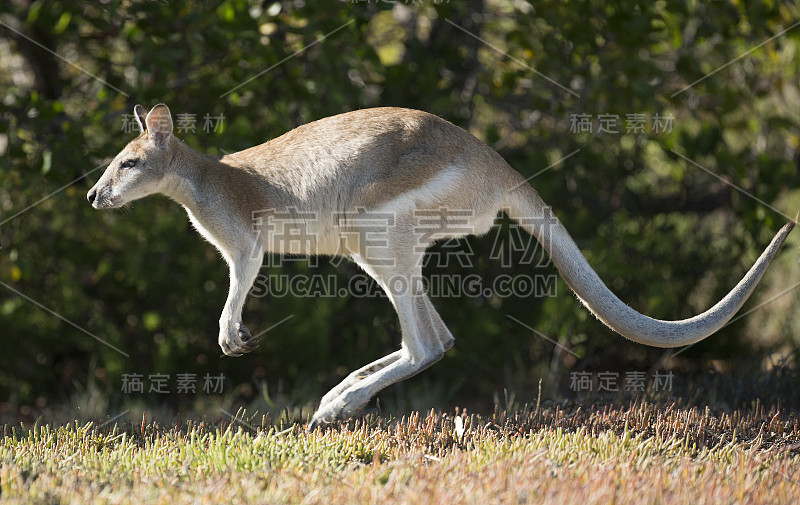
640,453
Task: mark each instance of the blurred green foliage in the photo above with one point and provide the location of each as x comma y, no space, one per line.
667,236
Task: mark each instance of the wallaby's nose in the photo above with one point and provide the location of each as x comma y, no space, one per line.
92,195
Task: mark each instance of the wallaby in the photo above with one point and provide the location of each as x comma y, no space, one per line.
328,175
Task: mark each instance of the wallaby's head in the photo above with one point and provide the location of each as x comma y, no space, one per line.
139,169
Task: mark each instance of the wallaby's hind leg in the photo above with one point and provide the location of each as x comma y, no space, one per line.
434,320
442,333
422,345
358,375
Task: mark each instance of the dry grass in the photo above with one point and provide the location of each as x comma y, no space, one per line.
642,453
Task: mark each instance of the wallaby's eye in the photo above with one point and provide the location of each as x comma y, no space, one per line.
129,163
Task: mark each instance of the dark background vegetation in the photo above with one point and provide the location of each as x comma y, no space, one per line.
667,236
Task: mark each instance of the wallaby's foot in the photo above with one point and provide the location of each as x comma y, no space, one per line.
316,423
324,416
357,376
237,341
344,406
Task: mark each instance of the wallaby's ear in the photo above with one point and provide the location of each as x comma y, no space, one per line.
138,113
158,124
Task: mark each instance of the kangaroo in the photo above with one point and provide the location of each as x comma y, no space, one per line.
333,176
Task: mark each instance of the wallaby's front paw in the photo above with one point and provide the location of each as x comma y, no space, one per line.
237,341
250,342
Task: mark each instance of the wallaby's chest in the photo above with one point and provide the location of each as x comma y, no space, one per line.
222,235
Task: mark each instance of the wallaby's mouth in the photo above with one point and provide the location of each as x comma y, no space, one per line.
100,201
105,204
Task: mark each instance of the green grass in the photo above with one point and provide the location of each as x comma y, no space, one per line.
642,453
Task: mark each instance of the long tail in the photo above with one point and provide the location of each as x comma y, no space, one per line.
530,211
